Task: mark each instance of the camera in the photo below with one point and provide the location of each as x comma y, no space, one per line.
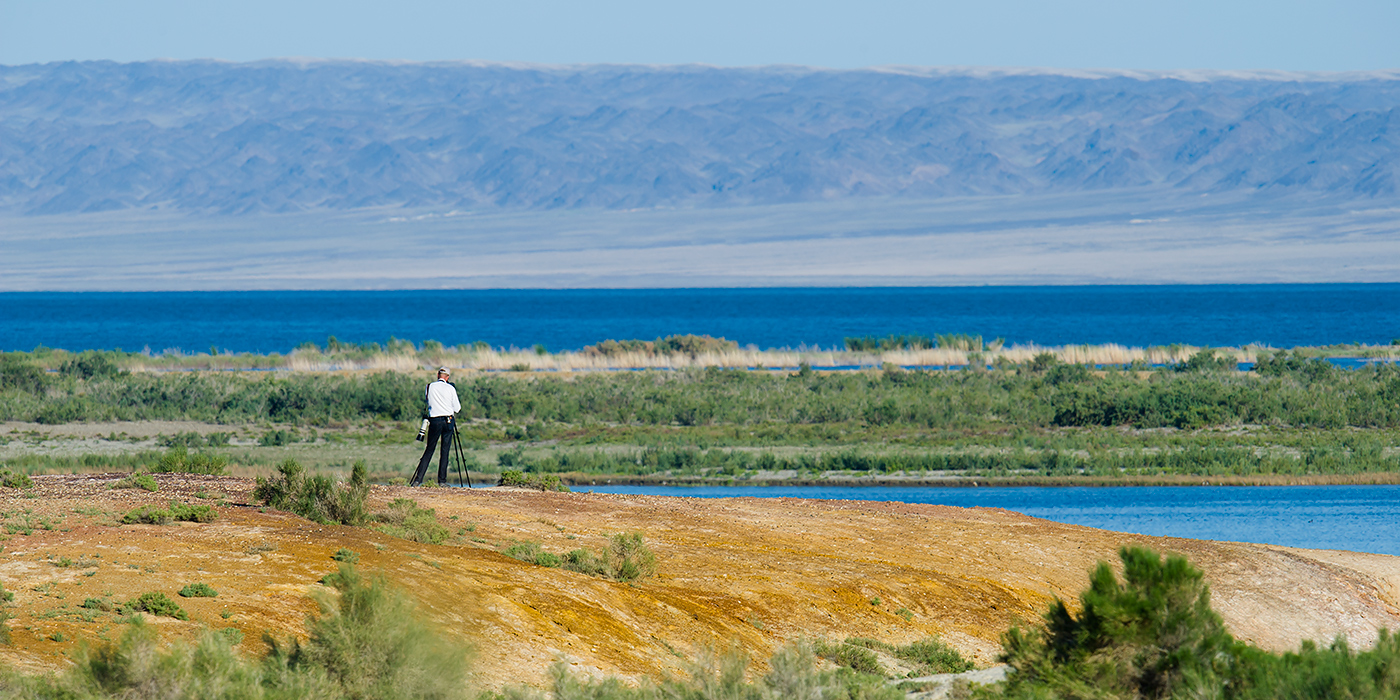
423,431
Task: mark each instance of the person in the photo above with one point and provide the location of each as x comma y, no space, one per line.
442,409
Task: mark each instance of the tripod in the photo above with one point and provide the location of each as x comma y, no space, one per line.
461,458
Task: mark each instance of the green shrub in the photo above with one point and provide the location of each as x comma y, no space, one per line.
137,481
153,515
346,555
1151,635
317,497
101,604
532,553
198,590
856,657
148,515
932,656
91,364
15,480
193,512
541,482
18,375
1154,635
585,562
277,438
629,558
177,461
406,520
155,603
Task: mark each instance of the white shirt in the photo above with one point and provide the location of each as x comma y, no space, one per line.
442,399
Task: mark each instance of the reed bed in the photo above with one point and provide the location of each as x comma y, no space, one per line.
499,360
406,357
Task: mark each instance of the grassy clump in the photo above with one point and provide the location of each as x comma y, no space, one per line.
629,558
184,512
178,461
193,512
155,603
137,481
148,515
855,656
99,604
626,559
584,562
405,519
541,482
15,480
198,590
316,497
533,553
348,556
931,656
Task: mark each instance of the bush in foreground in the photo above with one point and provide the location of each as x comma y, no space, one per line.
369,643
1154,635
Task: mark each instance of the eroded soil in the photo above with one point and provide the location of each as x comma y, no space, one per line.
752,572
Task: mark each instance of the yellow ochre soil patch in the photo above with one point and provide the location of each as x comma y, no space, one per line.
743,571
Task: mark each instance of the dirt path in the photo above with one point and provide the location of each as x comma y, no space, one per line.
753,572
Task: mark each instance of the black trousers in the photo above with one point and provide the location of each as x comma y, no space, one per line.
440,427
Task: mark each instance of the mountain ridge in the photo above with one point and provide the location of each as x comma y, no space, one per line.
281,136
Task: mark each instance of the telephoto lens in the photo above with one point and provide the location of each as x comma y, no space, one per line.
423,431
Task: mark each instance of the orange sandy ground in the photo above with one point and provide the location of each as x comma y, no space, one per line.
745,571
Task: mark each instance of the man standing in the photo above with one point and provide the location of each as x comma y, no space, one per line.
442,406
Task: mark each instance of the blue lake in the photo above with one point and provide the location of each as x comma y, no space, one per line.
1354,518
1281,315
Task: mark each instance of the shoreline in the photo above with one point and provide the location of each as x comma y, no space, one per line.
577,480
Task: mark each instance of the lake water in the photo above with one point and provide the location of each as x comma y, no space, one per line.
1354,518
1217,315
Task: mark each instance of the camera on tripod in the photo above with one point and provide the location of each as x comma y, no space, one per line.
423,431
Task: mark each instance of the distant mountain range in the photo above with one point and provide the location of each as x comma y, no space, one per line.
205,137
369,175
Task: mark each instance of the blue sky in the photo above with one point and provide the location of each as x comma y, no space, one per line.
1176,34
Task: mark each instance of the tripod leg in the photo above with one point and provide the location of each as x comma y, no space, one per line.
461,458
